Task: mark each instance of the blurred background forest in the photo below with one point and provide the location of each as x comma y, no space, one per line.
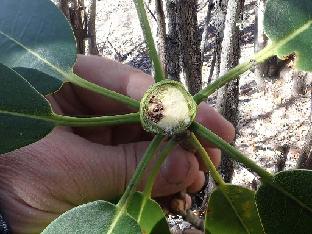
198,41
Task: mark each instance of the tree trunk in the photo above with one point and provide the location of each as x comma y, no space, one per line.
77,19
227,101
161,33
190,43
93,49
219,22
204,41
63,5
205,36
305,159
172,42
74,10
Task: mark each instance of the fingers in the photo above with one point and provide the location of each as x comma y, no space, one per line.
215,156
179,172
212,120
111,75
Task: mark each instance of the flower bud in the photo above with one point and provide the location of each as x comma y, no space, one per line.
167,108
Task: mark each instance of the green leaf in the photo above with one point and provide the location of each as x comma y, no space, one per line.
285,206
232,210
148,214
288,23
23,112
93,218
37,79
35,34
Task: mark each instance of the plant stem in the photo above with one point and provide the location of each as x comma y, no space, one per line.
207,161
96,121
73,78
136,178
162,156
232,74
234,153
159,73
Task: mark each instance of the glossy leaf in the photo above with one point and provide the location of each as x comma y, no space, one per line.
39,80
232,210
35,34
148,214
93,218
288,23
23,112
285,206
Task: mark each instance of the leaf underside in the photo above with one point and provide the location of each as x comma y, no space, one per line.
93,218
279,213
151,218
232,210
20,107
288,23
35,34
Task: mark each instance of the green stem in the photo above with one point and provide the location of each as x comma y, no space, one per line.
95,121
232,74
80,122
159,73
73,78
136,178
231,151
162,156
207,161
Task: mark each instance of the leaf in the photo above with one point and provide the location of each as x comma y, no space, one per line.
288,23
35,34
148,214
93,218
23,112
231,210
36,79
285,206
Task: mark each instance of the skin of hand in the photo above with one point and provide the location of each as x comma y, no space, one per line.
72,166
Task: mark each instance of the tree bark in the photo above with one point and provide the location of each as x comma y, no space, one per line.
63,5
78,20
161,33
305,159
172,42
74,10
205,37
93,49
189,39
219,22
228,96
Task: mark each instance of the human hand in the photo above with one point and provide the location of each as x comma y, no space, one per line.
72,166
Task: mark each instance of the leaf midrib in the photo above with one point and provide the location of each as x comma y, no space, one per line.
46,118
280,43
290,196
234,209
55,68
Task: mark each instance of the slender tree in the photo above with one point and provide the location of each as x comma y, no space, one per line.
74,10
172,42
93,49
228,96
161,33
189,40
